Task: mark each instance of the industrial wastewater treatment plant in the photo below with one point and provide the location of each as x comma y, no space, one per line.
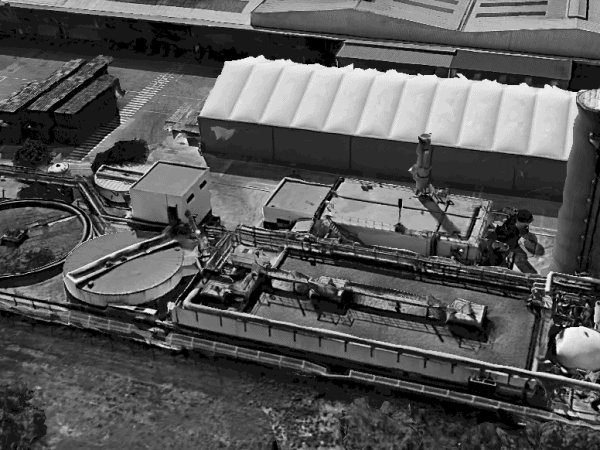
404,286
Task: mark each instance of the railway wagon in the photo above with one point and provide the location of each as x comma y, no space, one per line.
91,108
13,109
39,115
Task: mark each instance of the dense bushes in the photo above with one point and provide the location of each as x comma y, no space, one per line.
21,423
135,151
33,154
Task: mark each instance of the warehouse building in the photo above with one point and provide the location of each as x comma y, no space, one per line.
515,139
568,28
168,190
447,61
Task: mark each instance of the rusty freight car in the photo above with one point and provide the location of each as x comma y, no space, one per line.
13,109
91,108
39,116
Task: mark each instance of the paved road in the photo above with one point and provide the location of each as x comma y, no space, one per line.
155,90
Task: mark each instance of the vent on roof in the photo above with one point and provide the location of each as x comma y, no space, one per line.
428,4
521,8
578,8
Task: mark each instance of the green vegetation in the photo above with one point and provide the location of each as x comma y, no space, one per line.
363,427
33,154
453,427
21,423
135,151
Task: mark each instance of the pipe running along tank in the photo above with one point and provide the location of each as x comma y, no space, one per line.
577,245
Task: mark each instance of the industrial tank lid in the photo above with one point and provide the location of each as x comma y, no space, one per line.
138,275
589,100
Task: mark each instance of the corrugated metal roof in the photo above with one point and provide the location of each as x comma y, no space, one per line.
85,96
508,9
441,14
447,14
112,185
69,86
120,178
421,47
232,6
282,6
32,91
476,115
552,68
395,55
171,14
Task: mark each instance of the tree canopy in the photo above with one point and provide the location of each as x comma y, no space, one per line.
134,151
21,422
33,154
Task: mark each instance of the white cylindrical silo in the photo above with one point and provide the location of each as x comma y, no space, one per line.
577,217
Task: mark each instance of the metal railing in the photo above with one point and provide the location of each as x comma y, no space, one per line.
278,240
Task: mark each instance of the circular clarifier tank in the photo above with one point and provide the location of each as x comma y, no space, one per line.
142,279
38,235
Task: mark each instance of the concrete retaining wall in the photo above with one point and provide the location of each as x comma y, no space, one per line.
265,331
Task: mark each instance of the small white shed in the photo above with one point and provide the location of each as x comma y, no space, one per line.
291,201
168,189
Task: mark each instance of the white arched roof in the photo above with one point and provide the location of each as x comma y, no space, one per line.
478,115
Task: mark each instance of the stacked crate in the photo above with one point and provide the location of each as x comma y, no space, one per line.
13,110
94,106
40,115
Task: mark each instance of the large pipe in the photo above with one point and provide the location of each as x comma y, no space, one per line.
193,294
551,275
424,151
576,221
421,171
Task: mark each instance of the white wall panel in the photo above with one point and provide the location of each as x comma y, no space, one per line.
447,110
227,90
381,106
514,120
318,99
549,124
286,97
412,115
480,116
350,101
253,99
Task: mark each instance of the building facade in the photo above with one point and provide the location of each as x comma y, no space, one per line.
168,190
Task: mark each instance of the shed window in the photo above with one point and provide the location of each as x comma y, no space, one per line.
190,198
202,184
